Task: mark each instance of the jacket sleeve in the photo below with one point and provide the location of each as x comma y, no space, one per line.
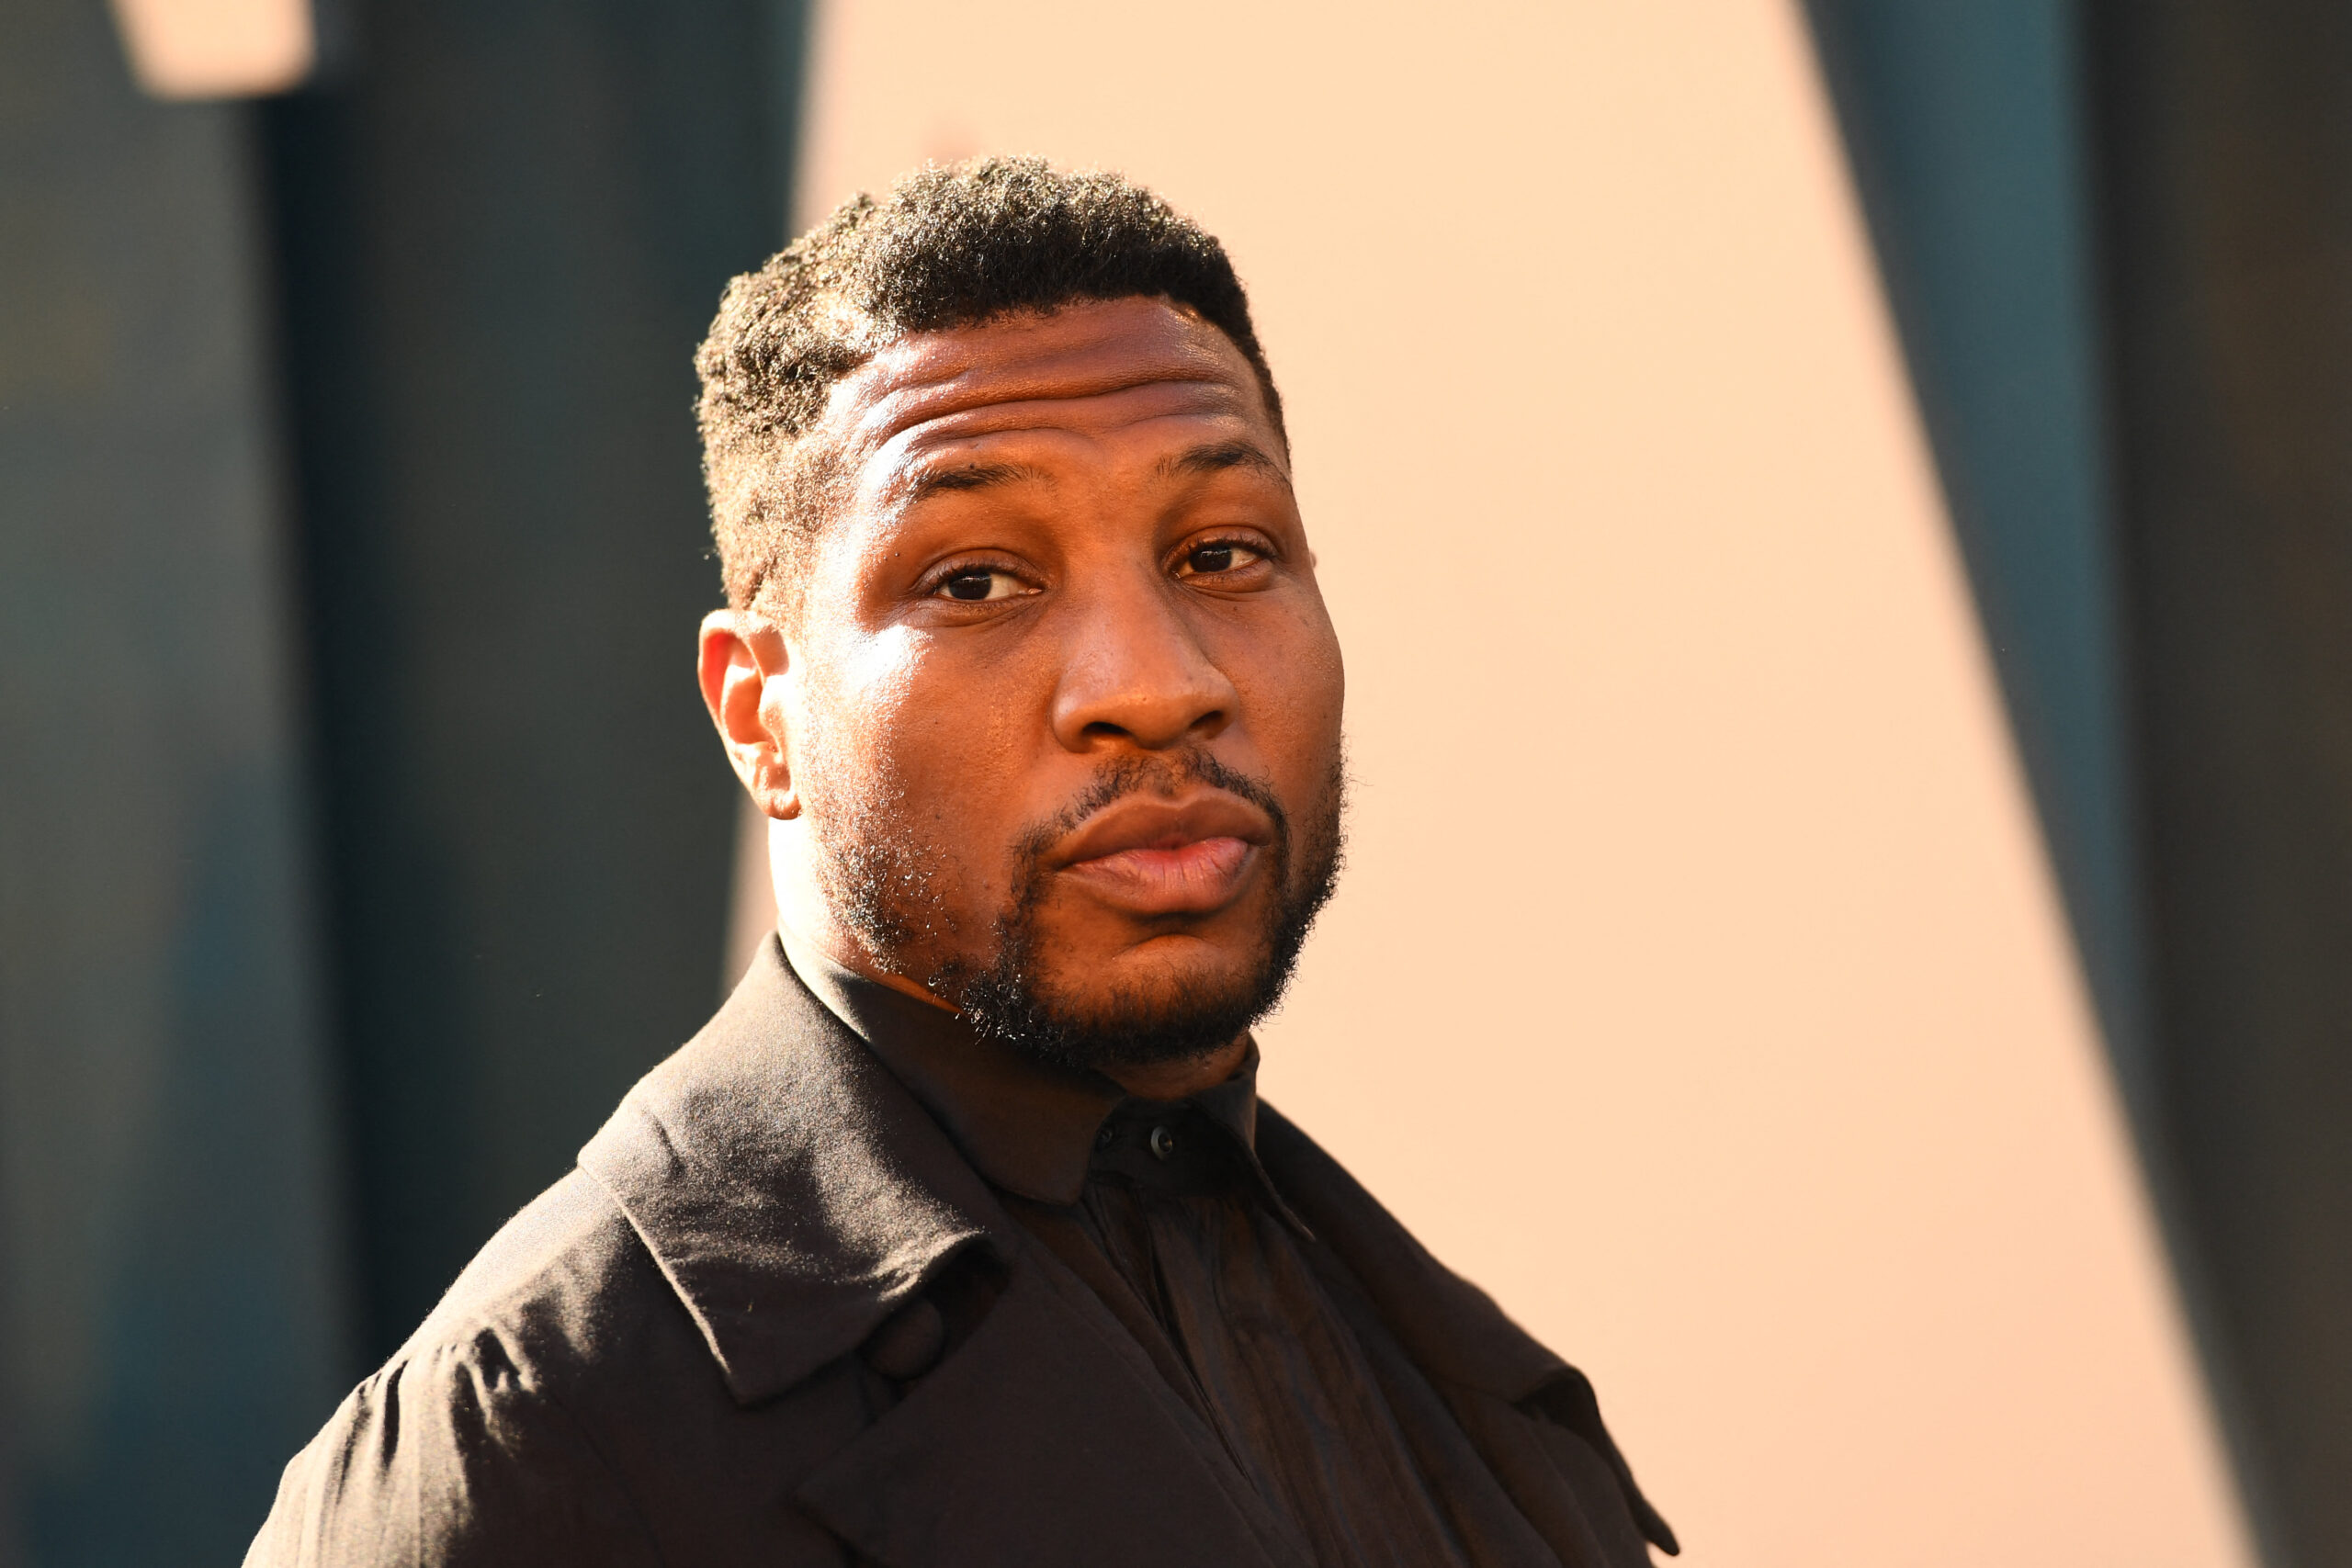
451,1456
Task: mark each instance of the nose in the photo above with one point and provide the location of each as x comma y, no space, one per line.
1134,671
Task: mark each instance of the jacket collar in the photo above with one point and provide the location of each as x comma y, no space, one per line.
794,1194
1027,1127
1030,1129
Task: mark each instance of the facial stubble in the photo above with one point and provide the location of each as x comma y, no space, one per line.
879,880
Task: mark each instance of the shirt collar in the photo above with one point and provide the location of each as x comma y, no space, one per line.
791,1189
1027,1126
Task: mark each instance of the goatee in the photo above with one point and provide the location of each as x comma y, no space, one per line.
877,884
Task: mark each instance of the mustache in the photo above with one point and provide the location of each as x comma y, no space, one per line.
1160,775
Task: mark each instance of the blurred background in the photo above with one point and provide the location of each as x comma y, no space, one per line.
1841,516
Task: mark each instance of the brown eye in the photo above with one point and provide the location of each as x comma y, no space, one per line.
974,584
1213,559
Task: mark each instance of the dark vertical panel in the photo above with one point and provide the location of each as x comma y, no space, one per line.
174,1322
2225,139
504,226
1964,127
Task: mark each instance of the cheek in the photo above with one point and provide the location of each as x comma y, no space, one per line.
1295,698
845,715
849,740
909,735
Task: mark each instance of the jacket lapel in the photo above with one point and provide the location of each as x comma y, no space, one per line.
793,1192
1447,1327
796,1196
1045,1439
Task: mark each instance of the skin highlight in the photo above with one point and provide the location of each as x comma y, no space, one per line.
1059,648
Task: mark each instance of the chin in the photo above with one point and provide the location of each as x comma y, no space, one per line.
1168,999
1159,974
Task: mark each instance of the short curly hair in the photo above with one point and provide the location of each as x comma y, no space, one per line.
947,247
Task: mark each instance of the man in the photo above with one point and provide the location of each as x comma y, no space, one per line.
959,1236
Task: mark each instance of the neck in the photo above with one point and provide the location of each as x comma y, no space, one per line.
1175,1080
801,909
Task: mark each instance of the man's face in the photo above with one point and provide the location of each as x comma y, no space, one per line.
1061,707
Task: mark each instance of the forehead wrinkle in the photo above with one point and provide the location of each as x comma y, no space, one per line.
905,409
902,454
929,377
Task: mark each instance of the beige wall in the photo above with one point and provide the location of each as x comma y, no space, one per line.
1697,984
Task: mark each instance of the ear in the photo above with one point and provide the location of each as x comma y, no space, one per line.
743,660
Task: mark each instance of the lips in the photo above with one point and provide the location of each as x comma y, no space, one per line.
1153,856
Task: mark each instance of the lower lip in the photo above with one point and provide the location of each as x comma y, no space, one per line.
1194,879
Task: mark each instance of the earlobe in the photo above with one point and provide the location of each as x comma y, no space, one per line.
743,663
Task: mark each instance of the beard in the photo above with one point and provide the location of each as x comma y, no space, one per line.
880,883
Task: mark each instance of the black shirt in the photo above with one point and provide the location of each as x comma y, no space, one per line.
1165,1212
798,1307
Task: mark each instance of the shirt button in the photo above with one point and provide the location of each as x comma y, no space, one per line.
1163,1143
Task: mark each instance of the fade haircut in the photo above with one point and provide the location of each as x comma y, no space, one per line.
947,247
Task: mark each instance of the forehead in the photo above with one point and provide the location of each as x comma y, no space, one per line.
1100,369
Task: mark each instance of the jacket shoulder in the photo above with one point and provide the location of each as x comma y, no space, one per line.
558,1406
556,1283
463,1448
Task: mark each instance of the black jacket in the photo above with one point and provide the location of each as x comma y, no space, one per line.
774,1317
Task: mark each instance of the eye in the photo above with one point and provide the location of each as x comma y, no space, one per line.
1217,558
974,584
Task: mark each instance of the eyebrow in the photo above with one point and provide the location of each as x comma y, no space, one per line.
968,476
1219,456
